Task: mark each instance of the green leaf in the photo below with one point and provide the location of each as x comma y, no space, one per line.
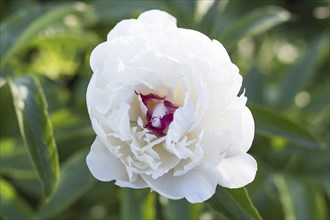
256,22
26,25
130,208
16,165
29,187
137,204
75,180
299,199
8,122
274,124
254,85
207,22
14,161
214,20
13,26
148,205
184,10
300,73
12,205
319,98
178,209
36,129
234,204
114,11
72,130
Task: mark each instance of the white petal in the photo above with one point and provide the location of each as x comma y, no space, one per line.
219,51
118,122
90,93
196,186
248,129
237,171
158,18
124,28
98,55
239,123
103,165
235,81
138,184
214,145
183,119
181,44
100,101
102,136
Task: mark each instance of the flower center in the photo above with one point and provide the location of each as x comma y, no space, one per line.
160,113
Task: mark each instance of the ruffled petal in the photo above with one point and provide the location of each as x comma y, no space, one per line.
103,165
214,147
248,129
98,55
196,186
90,94
125,28
183,120
139,183
238,123
118,122
154,19
237,171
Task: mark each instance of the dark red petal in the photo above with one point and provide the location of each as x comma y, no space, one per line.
157,131
172,107
148,97
166,121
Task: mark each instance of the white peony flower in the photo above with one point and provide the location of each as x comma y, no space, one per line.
163,103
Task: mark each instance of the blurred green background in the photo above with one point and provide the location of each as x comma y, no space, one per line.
281,48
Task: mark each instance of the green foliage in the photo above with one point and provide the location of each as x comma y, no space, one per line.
274,124
36,129
300,74
234,204
75,180
12,205
281,48
26,29
256,22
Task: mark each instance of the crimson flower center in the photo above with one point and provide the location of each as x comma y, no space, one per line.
160,113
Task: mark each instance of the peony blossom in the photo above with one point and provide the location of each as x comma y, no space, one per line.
164,104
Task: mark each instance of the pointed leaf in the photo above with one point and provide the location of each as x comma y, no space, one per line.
301,72
75,179
272,123
9,125
12,205
254,85
36,129
256,22
299,199
178,209
14,158
207,22
114,11
214,19
234,204
21,27
137,204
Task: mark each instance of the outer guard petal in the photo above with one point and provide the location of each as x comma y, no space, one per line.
237,171
196,186
157,17
103,165
248,129
138,184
